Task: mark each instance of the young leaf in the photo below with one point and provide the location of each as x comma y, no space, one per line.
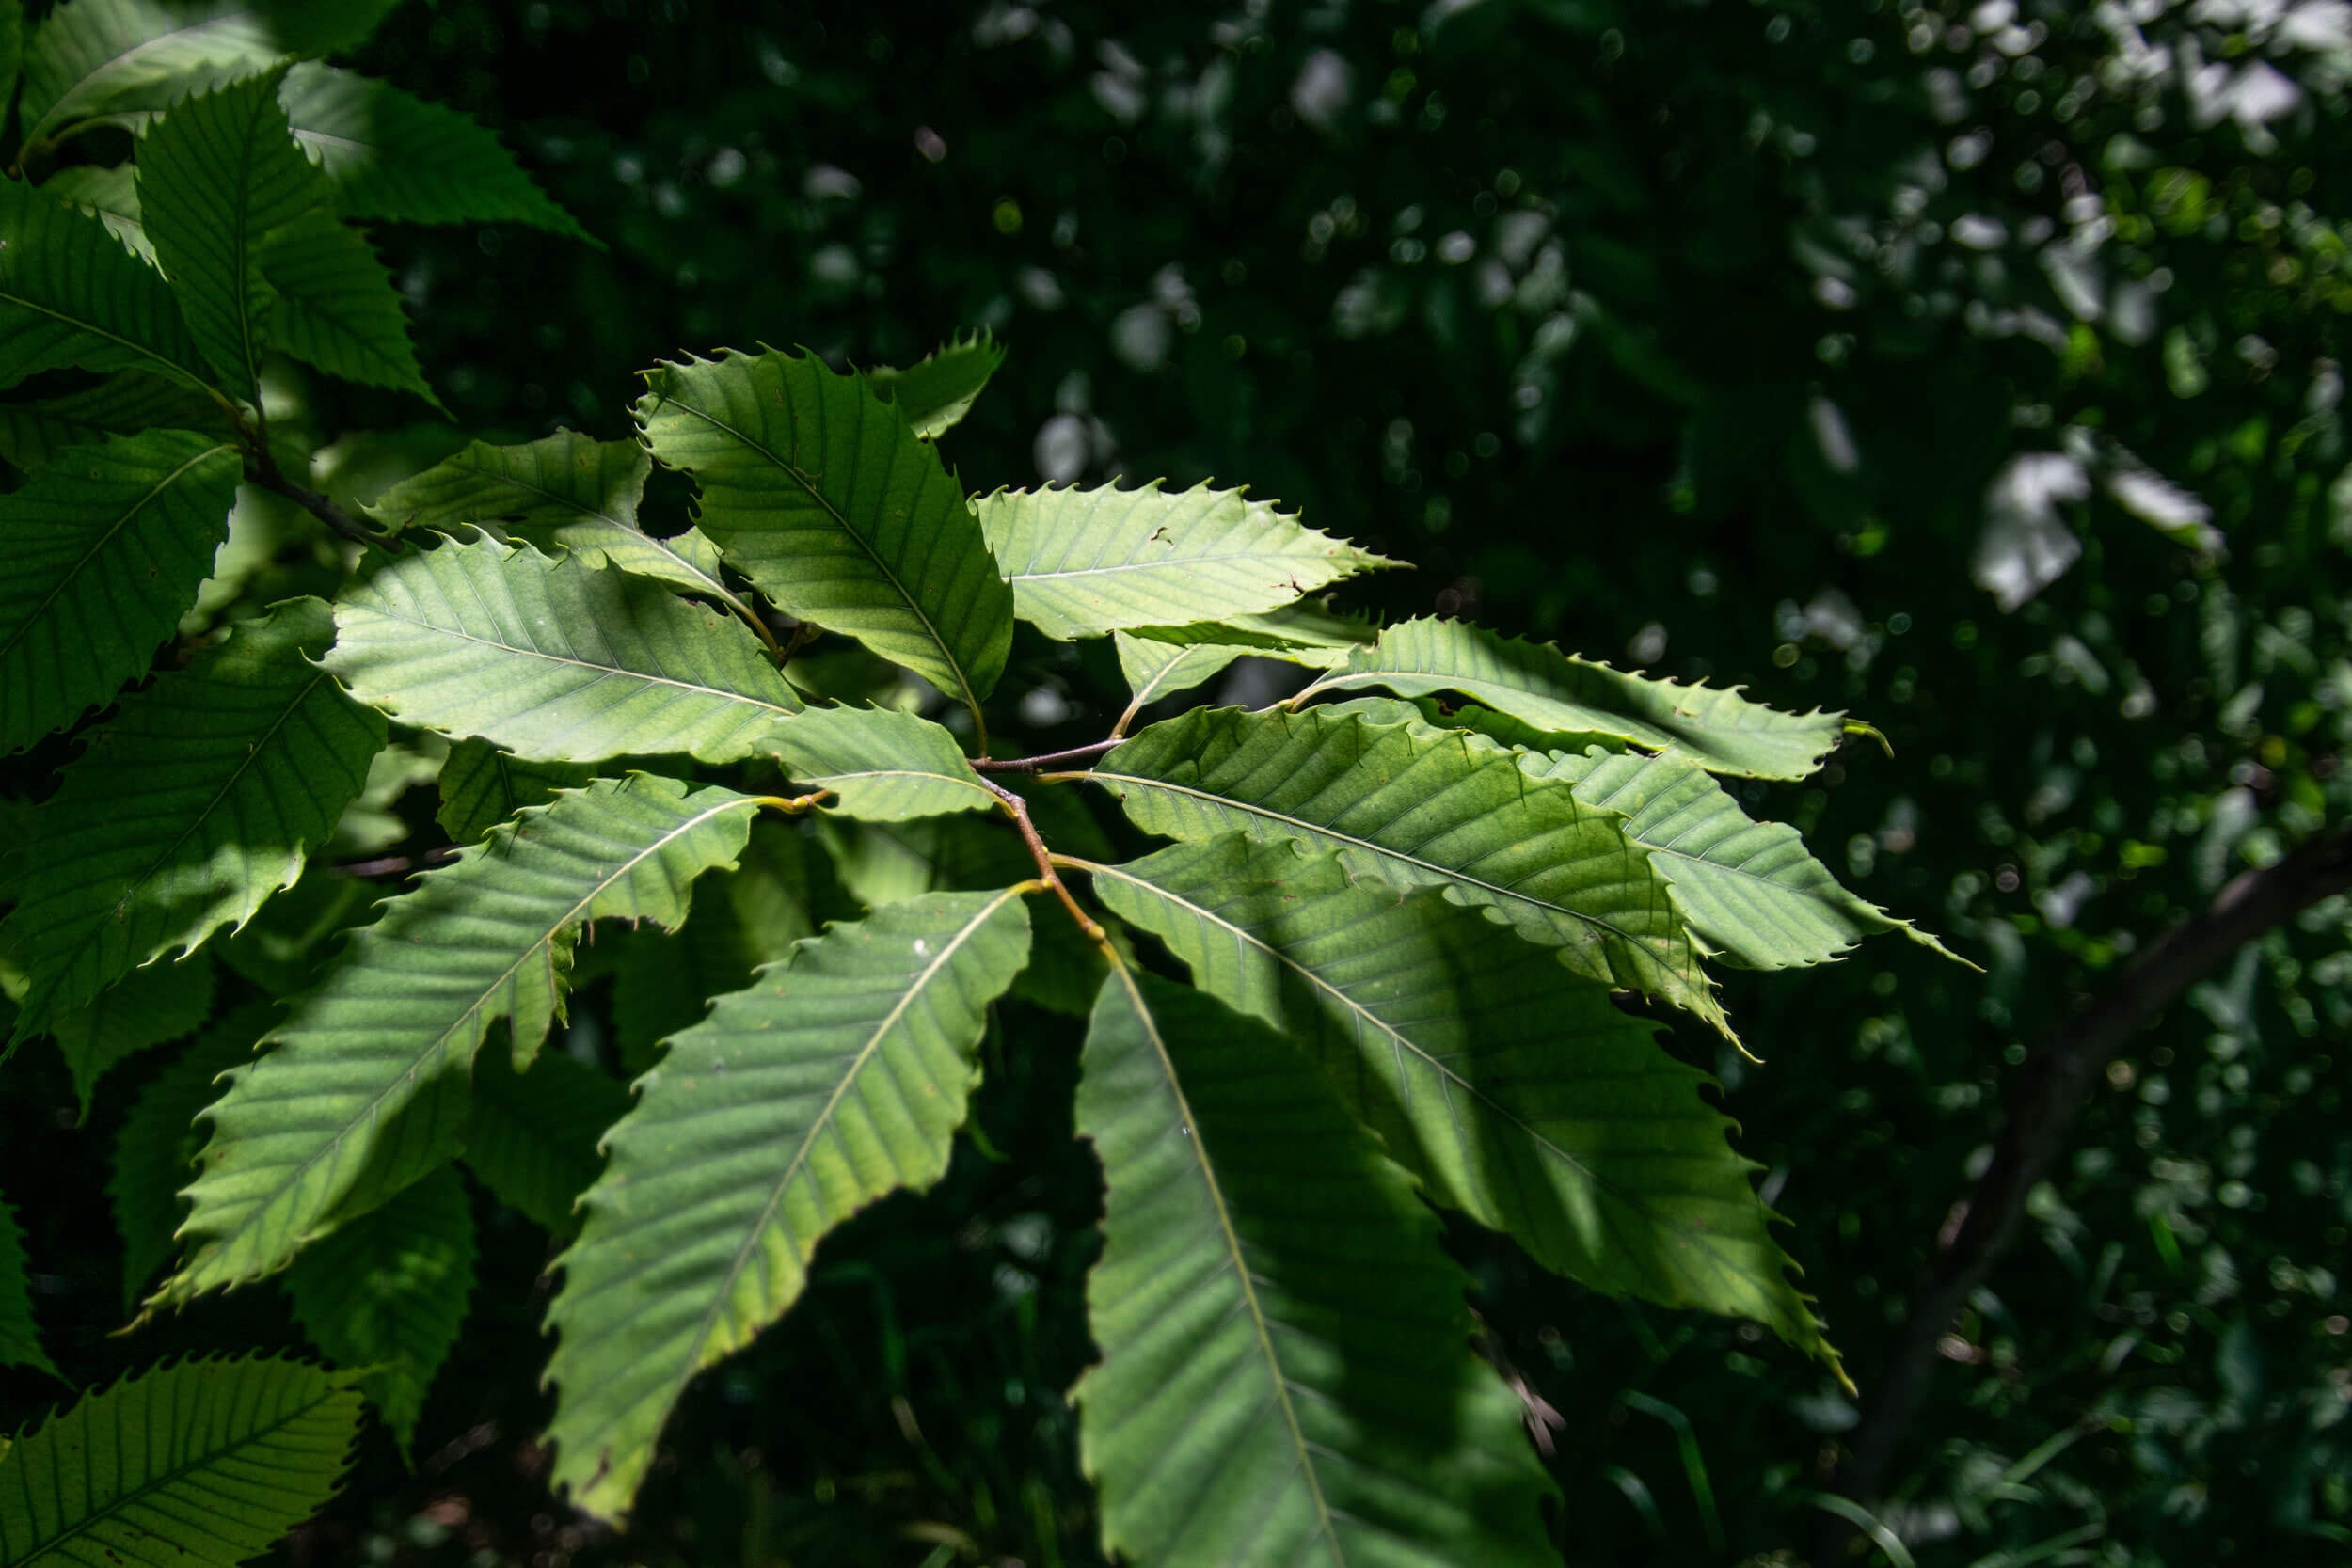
836,1078
1083,563
933,394
481,786
146,1008
200,800
1514,1090
105,549
374,1062
215,175
383,1295
394,158
555,660
1417,810
156,1148
836,511
563,493
69,295
1249,1406
106,57
198,1465
33,433
881,765
110,195
531,1136
1567,697
335,307
20,1336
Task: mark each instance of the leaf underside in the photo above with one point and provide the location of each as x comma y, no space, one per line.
933,394
836,1078
879,764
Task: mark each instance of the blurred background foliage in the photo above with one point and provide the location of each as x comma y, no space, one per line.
1974,368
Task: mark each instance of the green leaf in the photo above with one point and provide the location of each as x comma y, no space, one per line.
1563,696
156,1150
33,433
481,786
383,1295
1248,1407
555,660
215,175
106,547
836,1078
1083,563
199,801
1160,661
836,511
394,158
1421,809
372,1064
335,307
662,984
933,394
566,492
147,1008
69,295
108,56
879,764
1515,1091
198,1465
109,195
12,51
20,1335
531,1136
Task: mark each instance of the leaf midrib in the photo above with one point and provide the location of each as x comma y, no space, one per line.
225,23
440,1044
1327,1528
808,488
23,628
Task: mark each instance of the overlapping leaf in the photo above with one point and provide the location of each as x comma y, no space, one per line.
199,801
1517,1092
1421,809
69,295
836,511
1564,696
198,1465
147,1008
110,195
879,764
156,1146
933,394
370,1067
383,1295
215,176
555,660
1083,563
33,432
397,159
335,307
20,1336
105,549
837,1077
481,786
1286,1374
565,491
106,57
1160,661
531,1136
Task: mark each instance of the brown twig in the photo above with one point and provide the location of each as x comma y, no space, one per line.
1018,810
1041,763
2042,1100
265,474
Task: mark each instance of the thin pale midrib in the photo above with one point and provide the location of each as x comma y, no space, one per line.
602,670
439,1045
809,488
823,1118
135,52
8,645
1231,1238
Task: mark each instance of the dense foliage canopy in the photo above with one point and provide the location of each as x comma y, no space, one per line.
1970,368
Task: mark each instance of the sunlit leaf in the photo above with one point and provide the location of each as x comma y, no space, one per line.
933,394
879,764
